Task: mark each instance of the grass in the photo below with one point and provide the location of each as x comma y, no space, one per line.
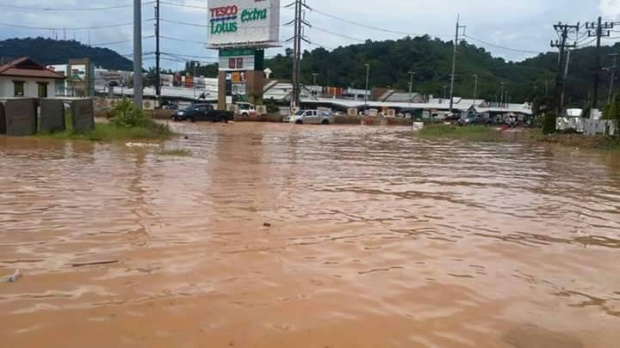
108,132
473,133
577,140
176,153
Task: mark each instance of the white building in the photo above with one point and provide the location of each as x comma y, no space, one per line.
24,77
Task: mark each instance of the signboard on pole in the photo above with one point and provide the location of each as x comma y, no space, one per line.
241,59
243,23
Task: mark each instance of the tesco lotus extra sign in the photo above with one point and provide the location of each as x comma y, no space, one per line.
250,23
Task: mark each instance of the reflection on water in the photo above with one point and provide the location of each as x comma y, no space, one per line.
377,239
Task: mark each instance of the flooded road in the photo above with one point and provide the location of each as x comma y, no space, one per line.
283,236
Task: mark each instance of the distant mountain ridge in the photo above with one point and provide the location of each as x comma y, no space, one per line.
49,51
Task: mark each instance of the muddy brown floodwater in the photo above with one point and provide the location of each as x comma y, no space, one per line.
284,236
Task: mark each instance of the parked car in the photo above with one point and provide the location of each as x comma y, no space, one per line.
310,117
247,110
203,112
473,119
168,105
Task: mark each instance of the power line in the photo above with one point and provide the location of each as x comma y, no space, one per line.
184,5
69,9
501,47
209,26
368,26
73,29
183,40
119,42
188,56
190,6
320,46
336,34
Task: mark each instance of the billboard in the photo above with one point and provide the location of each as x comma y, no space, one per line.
243,23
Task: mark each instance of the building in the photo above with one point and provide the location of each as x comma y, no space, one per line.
79,78
24,77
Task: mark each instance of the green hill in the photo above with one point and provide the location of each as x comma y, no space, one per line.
49,51
431,60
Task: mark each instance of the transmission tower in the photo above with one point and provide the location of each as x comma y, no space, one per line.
298,23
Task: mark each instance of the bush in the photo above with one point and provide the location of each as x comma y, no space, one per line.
126,115
549,123
126,123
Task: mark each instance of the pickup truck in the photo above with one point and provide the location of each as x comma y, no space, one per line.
247,110
310,117
203,112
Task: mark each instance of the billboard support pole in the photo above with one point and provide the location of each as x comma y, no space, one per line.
137,53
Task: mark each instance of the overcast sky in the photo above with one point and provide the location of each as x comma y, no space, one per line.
523,25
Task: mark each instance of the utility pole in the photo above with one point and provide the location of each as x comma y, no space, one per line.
613,76
563,30
501,100
596,29
411,73
157,55
456,45
565,76
366,90
137,53
475,88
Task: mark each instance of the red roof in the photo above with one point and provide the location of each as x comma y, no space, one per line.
26,67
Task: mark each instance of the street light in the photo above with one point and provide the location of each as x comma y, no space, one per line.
445,91
475,88
411,73
366,91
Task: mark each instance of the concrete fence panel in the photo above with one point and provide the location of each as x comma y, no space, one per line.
20,116
83,115
51,116
2,119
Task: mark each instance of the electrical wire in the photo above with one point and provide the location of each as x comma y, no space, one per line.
184,5
119,42
588,43
207,26
194,6
501,47
183,40
336,34
74,9
72,29
320,46
188,56
369,26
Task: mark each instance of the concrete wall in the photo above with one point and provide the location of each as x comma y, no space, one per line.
83,115
20,116
51,116
31,89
